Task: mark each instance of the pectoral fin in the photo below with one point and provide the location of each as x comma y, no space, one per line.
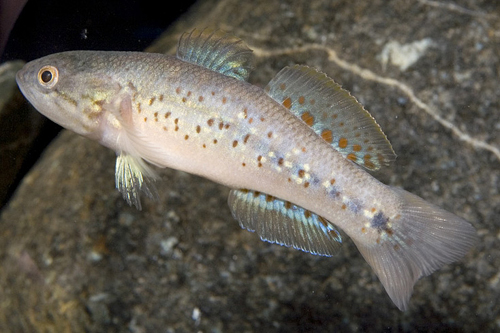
133,175
281,222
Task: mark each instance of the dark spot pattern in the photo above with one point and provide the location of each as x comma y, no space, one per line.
379,221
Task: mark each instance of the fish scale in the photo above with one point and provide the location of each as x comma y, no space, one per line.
291,153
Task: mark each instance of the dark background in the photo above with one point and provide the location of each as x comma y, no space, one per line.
48,26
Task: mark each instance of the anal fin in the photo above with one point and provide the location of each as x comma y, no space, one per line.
281,222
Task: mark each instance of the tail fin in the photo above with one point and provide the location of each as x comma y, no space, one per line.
422,240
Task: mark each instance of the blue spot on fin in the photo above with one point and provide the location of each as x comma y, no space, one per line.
216,50
333,113
283,223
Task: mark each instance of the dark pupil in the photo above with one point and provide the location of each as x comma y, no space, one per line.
46,76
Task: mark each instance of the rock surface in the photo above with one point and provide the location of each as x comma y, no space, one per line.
76,258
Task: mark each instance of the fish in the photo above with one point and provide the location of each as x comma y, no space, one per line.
295,154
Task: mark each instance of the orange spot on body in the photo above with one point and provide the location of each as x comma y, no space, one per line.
287,103
210,122
167,114
224,100
307,118
282,86
250,120
151,100
344,206
215,141
186,137
306,184
245,139
165,128
332,181
200,99
198,129
176,128
302,100
374,210
363,230
145,119
245,113
221,125
307,214
280,161
356,147
342,143
301,173
327,136
176,121
243,164
156,114
270,135
160,98
178,90
184,100
235,143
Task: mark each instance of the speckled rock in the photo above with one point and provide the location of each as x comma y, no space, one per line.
75,257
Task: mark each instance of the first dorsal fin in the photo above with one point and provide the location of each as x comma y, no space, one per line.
216,50
333,114
281,222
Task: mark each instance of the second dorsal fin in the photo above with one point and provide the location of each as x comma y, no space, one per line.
216,50
333,114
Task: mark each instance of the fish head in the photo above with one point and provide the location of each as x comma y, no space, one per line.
73,89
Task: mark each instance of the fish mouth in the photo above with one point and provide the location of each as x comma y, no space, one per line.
23,78
20,75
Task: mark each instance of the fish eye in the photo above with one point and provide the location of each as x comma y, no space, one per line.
48,76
